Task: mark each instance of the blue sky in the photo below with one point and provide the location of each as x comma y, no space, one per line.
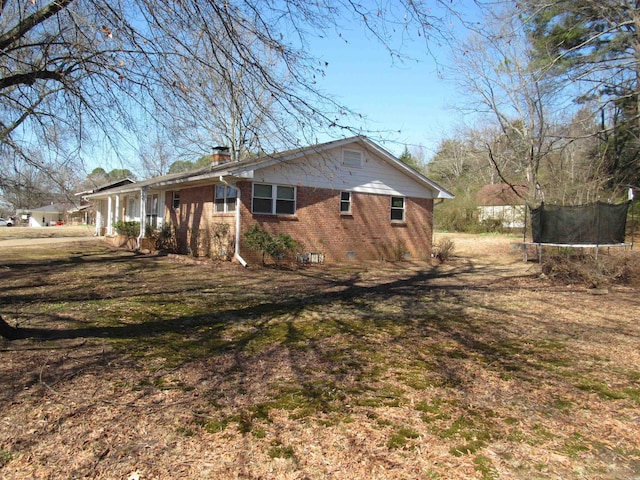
409,98
407,101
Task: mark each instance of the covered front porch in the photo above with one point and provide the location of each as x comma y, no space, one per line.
142,205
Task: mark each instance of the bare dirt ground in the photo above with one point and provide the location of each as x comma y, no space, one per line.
131,366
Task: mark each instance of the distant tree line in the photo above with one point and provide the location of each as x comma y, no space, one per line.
551,102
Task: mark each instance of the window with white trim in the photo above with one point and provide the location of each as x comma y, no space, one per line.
151,209
273,199
345,203
175,201
132,212
352,158
224,199
397,209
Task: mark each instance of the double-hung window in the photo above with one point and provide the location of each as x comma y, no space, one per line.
345,203
397,209
273,199
175,202
151,210
225,199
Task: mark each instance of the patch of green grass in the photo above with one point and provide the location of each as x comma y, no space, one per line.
385,396
632,393
433,410
281,451
244,420
419,377
562,404
212,425
599,388
474,430
175,349
400,438
540,433
576,445
383,422
467,448
541,467
5,457
302,400
162,383
187,432
484,466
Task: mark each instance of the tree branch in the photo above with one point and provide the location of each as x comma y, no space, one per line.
30,78
31,21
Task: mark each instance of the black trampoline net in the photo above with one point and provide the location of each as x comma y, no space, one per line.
597,223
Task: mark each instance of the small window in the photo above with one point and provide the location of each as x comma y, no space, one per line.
274,199
345,202
397,209
224,199
352,158
176,200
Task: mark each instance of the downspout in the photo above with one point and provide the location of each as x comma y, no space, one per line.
237,255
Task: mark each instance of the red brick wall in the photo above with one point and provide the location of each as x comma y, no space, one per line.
198,228
366,234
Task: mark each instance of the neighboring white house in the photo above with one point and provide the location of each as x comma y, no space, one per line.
48,215
500,202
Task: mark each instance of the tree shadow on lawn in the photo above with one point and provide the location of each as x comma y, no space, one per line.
319,344
417,303
343,290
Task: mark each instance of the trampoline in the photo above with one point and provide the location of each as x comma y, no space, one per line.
595,225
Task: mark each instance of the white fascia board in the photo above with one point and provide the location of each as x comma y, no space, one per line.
245,175
109,193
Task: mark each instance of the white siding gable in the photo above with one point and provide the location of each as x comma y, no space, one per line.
335,170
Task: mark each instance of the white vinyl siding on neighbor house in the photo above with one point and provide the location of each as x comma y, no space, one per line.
327,170
273,199
224,199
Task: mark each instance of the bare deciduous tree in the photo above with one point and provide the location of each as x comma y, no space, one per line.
78,75
506,92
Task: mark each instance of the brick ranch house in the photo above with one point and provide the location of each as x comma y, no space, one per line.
347,199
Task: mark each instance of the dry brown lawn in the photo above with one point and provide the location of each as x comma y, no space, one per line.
155,367
7,233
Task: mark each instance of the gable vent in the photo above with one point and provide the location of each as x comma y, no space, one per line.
352,158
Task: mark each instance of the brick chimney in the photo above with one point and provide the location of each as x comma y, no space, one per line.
220,155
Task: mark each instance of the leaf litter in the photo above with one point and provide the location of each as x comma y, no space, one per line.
478,367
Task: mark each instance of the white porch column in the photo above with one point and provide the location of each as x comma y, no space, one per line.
118,211
98,207
143,214
109,215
